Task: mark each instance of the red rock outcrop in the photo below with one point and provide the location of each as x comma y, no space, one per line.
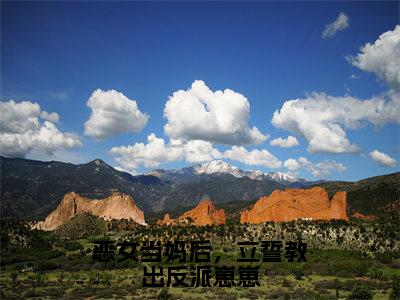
203,214
369,218
166,221
116,206
292,204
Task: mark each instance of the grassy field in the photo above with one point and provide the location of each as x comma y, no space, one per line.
126,283
45,265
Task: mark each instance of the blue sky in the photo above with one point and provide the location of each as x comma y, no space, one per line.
58,54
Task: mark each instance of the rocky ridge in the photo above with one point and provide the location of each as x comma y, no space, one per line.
292,204
116,206
203,214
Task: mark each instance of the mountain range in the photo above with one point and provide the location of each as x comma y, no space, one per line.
220,167
31,189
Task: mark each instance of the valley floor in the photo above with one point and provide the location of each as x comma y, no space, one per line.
343,261
126,284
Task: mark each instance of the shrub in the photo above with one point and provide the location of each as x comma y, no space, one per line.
395,294
376,273
287,283
164,294
42,266
13,277
361,292
385,258
72,246
298,274
82,226
349,267
277,293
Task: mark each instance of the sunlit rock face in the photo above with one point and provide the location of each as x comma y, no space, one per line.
292,204
203,214
116,206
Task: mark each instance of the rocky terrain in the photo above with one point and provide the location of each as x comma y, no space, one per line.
292,204
117,206
203,214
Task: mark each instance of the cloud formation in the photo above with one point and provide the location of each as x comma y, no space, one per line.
321,118
381,57
291,164
113,113
382,159
321,169
198,118
253,158
25,128
149,155
51,117
291,141
219,117
156,152
18,117
341,22
199,151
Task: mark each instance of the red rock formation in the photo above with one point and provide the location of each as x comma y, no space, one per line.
116,206
292,204
166,221
203,214
368,218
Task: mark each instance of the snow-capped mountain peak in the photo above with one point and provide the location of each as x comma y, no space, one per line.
255,174
282,177
218,166
221,167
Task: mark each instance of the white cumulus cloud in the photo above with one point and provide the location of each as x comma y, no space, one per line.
218,117
291,164
157,152
254,157
341,22
200,151
321,169
113,113
291,141
25,128
51,117
19,117
149,155
381,57
382,159
321,118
